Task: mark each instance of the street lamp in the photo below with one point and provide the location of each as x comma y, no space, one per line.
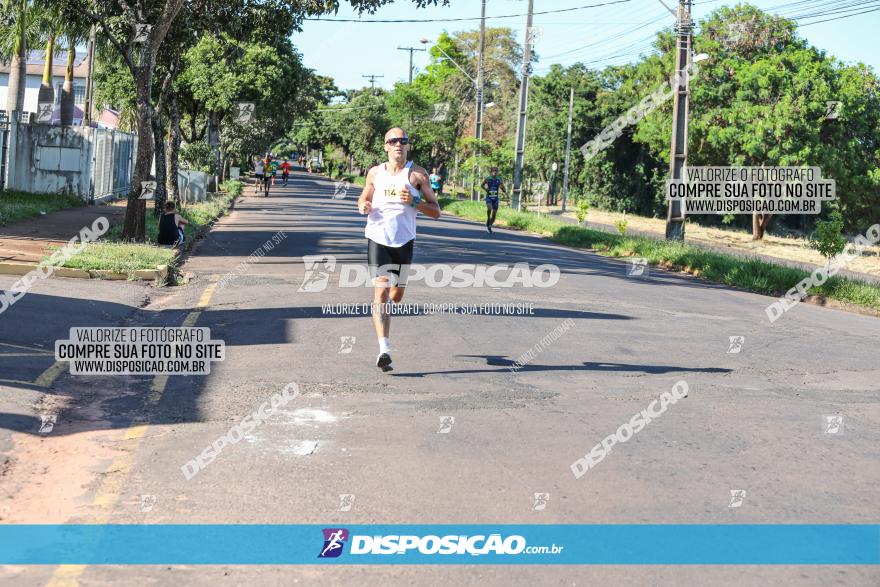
478,85
424,41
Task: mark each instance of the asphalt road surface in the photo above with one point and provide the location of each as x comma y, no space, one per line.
454,434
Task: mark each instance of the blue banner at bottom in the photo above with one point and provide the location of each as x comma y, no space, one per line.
603,544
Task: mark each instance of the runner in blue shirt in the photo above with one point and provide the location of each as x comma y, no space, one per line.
435,179
492,185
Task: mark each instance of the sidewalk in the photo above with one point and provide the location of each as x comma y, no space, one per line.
28,241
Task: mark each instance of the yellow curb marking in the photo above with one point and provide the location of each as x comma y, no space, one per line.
110,490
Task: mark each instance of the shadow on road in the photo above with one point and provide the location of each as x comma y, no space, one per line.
508,364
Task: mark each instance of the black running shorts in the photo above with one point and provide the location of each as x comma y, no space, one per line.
385,260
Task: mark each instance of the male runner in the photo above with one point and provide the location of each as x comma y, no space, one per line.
285,172
267,177
259,172
393,195
492,184
274,166
436,180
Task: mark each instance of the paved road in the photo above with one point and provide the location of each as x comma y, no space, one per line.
752,421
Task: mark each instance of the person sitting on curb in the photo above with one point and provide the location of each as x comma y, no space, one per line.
171,227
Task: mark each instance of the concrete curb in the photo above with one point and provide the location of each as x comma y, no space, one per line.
160,273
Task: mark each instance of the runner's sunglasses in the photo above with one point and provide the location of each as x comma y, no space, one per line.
395,140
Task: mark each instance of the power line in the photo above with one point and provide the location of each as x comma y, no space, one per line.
838,17
372,78
470,19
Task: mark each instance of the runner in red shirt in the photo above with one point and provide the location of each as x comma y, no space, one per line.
285,171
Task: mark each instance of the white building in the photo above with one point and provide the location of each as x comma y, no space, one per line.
35,66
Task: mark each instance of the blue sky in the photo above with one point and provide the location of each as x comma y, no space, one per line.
606,35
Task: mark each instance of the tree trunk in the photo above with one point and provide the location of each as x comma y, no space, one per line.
760,223
173,155
67,101
47,92
135,212
17,76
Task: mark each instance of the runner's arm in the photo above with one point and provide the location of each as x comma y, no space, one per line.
365,202
429,205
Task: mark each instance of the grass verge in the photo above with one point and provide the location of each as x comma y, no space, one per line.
15,205
749,274
114,254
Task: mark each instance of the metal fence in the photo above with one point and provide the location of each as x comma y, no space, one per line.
113,166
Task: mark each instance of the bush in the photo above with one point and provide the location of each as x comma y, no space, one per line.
621,225
197,157
233,187
582,206
828,237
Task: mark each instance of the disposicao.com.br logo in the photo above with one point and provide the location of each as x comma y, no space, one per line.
320,268
477,545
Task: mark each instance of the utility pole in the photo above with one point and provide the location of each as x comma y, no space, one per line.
410,49
372,79
516,196
678,151
478,131
567,150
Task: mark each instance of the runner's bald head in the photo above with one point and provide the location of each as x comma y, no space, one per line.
395,132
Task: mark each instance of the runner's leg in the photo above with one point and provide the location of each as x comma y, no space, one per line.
377,257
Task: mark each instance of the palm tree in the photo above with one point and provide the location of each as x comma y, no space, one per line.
50,24
75,32
17,32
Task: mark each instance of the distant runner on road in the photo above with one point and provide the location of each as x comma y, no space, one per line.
259,172
393,195
269,173
436,182
492,185
285,172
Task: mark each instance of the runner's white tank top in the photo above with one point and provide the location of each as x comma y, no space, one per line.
391,223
